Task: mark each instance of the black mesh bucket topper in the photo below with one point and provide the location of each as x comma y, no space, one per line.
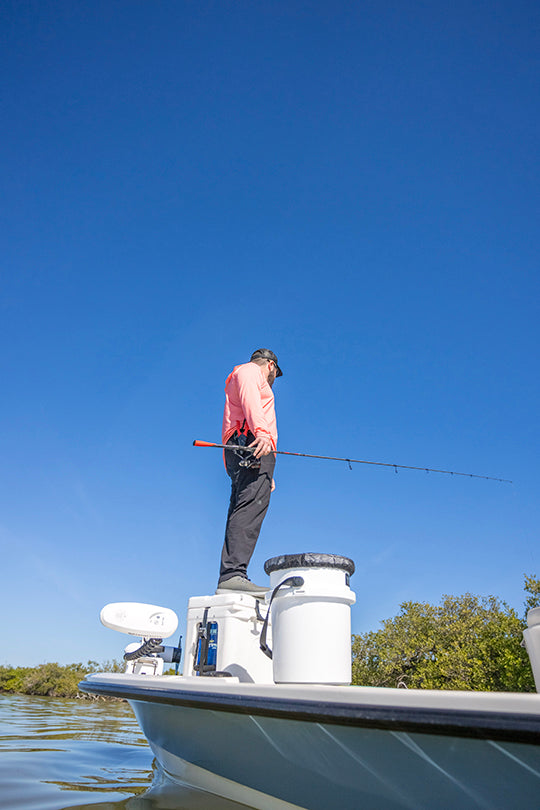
309,559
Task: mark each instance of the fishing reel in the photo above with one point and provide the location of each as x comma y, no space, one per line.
251,463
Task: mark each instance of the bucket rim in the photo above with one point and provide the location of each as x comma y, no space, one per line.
309,559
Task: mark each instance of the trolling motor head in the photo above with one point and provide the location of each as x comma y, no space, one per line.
152,623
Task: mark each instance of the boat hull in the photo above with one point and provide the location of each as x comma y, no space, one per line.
321,747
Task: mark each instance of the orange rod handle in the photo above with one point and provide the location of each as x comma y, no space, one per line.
198,443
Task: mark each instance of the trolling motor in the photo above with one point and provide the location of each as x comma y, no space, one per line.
152,624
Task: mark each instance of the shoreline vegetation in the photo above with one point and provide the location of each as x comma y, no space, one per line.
466,642
52,679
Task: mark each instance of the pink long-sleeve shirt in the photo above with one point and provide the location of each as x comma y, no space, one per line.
248,396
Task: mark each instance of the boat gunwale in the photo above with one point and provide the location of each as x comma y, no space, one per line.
480,724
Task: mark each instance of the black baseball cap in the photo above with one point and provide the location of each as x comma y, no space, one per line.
266,354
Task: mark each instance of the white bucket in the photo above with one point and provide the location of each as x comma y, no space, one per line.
311,622
532,643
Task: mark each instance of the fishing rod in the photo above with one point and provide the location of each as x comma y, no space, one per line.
198,443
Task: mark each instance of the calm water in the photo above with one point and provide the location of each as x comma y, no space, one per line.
83,754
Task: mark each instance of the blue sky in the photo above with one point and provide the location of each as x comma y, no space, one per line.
354,186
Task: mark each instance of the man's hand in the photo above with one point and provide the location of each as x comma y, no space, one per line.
261,446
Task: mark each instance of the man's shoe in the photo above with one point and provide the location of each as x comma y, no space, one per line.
241,585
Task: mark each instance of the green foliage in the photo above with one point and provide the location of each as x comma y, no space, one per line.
54,680
466,642
51,679
532,587
11,679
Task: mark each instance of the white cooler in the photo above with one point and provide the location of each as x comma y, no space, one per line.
234,623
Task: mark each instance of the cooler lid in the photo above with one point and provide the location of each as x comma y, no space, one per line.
309,559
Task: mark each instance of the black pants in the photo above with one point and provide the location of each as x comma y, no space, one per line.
250,497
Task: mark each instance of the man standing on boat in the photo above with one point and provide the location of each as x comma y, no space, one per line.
249,420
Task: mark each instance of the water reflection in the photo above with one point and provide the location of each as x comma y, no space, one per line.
166,795
84,755
61,719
